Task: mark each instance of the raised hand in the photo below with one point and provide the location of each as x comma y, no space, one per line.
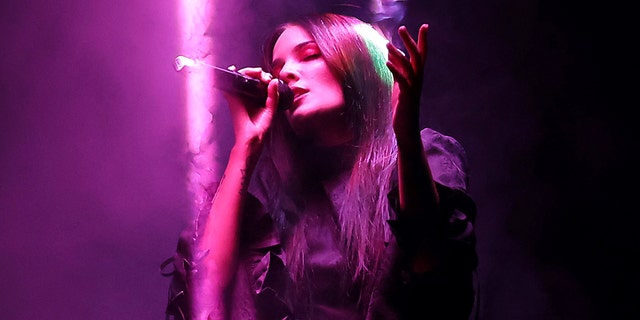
408,76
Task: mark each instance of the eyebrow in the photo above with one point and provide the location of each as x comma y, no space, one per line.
297,48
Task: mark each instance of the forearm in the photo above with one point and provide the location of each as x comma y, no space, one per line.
221,232
419,200
417,192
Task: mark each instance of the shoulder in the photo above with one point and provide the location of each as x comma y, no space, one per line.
447,158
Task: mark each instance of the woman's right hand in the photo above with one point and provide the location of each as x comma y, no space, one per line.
221,234
251,122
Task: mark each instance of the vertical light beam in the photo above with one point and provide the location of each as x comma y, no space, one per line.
195,18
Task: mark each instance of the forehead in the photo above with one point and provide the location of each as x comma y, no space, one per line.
290,38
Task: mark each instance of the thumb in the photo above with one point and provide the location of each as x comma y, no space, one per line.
272,95
271,105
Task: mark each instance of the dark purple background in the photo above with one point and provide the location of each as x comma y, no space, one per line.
93,189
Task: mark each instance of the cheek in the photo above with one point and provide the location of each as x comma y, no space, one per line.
334,92
331,87
320,73
335,96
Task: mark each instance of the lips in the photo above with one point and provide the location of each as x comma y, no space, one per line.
298,97
298,94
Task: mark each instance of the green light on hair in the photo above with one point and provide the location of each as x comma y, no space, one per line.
377,47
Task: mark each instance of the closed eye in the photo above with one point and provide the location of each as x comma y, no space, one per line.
311,57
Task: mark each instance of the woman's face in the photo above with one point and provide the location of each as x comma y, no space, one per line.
317,113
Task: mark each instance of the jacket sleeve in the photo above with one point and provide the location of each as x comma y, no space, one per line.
448,290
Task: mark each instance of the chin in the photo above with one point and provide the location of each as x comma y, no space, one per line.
299,117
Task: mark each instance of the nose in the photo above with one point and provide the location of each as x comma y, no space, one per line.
290,72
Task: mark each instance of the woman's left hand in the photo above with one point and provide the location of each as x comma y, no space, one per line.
408,76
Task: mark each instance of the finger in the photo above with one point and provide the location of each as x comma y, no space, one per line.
253,72
265,117
399,60
417,51
256,73
398,75
250,70
406,38
395,53
408,42
273,96
422,41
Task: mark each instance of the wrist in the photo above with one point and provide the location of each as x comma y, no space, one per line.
245,154
249,146
409,140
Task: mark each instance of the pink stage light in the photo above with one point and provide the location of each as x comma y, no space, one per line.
195,17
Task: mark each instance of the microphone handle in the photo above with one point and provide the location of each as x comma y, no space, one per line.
250,88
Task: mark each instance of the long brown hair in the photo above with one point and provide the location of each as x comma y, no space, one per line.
355,53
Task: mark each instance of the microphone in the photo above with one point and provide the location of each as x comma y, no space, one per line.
240,85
